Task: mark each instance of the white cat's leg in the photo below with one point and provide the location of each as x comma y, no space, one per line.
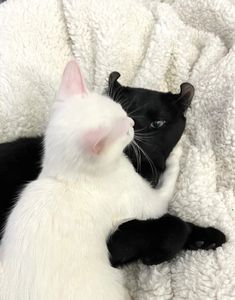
156,202
144,201
168,179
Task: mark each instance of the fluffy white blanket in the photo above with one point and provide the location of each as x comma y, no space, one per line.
153,44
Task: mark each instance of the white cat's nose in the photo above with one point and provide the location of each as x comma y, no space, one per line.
131,121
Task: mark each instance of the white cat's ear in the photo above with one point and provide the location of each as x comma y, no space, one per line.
72,81
96,140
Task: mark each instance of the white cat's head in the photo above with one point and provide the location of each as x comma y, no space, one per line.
86,130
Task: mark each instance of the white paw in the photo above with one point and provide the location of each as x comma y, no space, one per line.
174,156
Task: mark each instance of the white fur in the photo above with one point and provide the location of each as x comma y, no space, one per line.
54,243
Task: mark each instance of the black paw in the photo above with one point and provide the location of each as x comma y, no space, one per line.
206,239
155,259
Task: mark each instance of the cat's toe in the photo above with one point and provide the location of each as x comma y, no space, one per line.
215,238
199,244
212,246
211,239
196,245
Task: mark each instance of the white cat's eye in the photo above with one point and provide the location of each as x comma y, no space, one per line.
157,124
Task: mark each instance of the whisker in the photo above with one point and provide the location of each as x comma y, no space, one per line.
120,98
138,165
144,141
144,136
117,94
152,165
124,104
137,116
135,110
140,130
147,133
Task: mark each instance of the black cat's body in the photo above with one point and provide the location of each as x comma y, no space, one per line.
159,124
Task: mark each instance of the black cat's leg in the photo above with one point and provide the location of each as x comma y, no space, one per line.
157,240
168,237
204,238
126,244
151,241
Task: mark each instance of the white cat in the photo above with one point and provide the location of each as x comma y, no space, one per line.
54,245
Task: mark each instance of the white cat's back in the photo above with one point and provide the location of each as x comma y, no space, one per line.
54,245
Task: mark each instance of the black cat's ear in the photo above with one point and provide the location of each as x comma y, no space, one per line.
185,96
113,77
113,84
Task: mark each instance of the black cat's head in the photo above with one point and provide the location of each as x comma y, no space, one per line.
159,123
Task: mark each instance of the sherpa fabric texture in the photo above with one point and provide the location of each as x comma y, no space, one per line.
157,45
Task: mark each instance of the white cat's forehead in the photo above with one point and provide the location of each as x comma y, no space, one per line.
90,109
105,101
98,105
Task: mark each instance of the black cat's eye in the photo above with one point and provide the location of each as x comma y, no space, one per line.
157,124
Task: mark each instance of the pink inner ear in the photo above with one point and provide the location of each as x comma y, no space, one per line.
96,140
72,82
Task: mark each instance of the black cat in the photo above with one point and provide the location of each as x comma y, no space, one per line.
159,124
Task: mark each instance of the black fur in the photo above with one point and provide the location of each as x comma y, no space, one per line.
19,164
152,241
145,107
157,240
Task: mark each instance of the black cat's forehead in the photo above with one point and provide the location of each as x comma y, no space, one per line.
145,94
153,103
142,98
